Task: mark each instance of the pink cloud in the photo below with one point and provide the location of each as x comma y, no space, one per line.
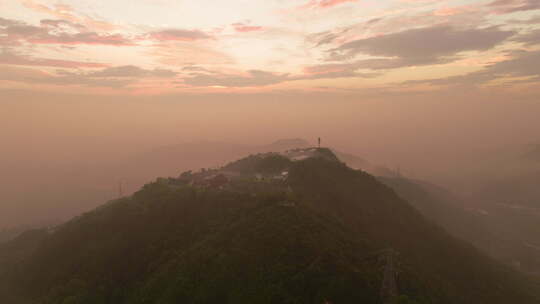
57,23
52,32
82,38
244,28
179,35
452,11
325,3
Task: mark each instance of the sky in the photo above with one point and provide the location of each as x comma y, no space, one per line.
158,47
434,87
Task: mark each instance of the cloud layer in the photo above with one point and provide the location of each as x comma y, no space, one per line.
274,44
422,46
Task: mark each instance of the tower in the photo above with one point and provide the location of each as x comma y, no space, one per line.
319,145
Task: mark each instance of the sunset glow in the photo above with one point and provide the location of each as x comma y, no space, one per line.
164,46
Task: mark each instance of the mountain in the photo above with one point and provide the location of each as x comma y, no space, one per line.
507,193
269,228
356,162
443,208
284,144
170,160
505,232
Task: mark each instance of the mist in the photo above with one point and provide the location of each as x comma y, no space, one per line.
63,154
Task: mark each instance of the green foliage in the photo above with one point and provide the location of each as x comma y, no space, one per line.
184,244
269,163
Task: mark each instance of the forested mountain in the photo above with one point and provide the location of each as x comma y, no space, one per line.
269,228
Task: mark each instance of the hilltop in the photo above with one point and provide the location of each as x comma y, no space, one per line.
80,182
269,228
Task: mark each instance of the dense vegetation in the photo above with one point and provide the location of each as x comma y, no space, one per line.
268,163
320,236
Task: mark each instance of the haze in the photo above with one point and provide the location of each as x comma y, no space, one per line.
91,89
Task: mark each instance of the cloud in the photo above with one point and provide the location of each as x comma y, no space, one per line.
325,3
32,76
522,64
459,17
60,23
531,38
349,69
452,11
24,30
131,71
66,13
89,38
8,22
346,73
16,31
7,57
338,70
194,68
532,20
121,76
179,35
512,6
178,53
254,78
244,28
112,77
326,37
251,79
431,45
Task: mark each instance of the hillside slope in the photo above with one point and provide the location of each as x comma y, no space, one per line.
324,233
506,232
